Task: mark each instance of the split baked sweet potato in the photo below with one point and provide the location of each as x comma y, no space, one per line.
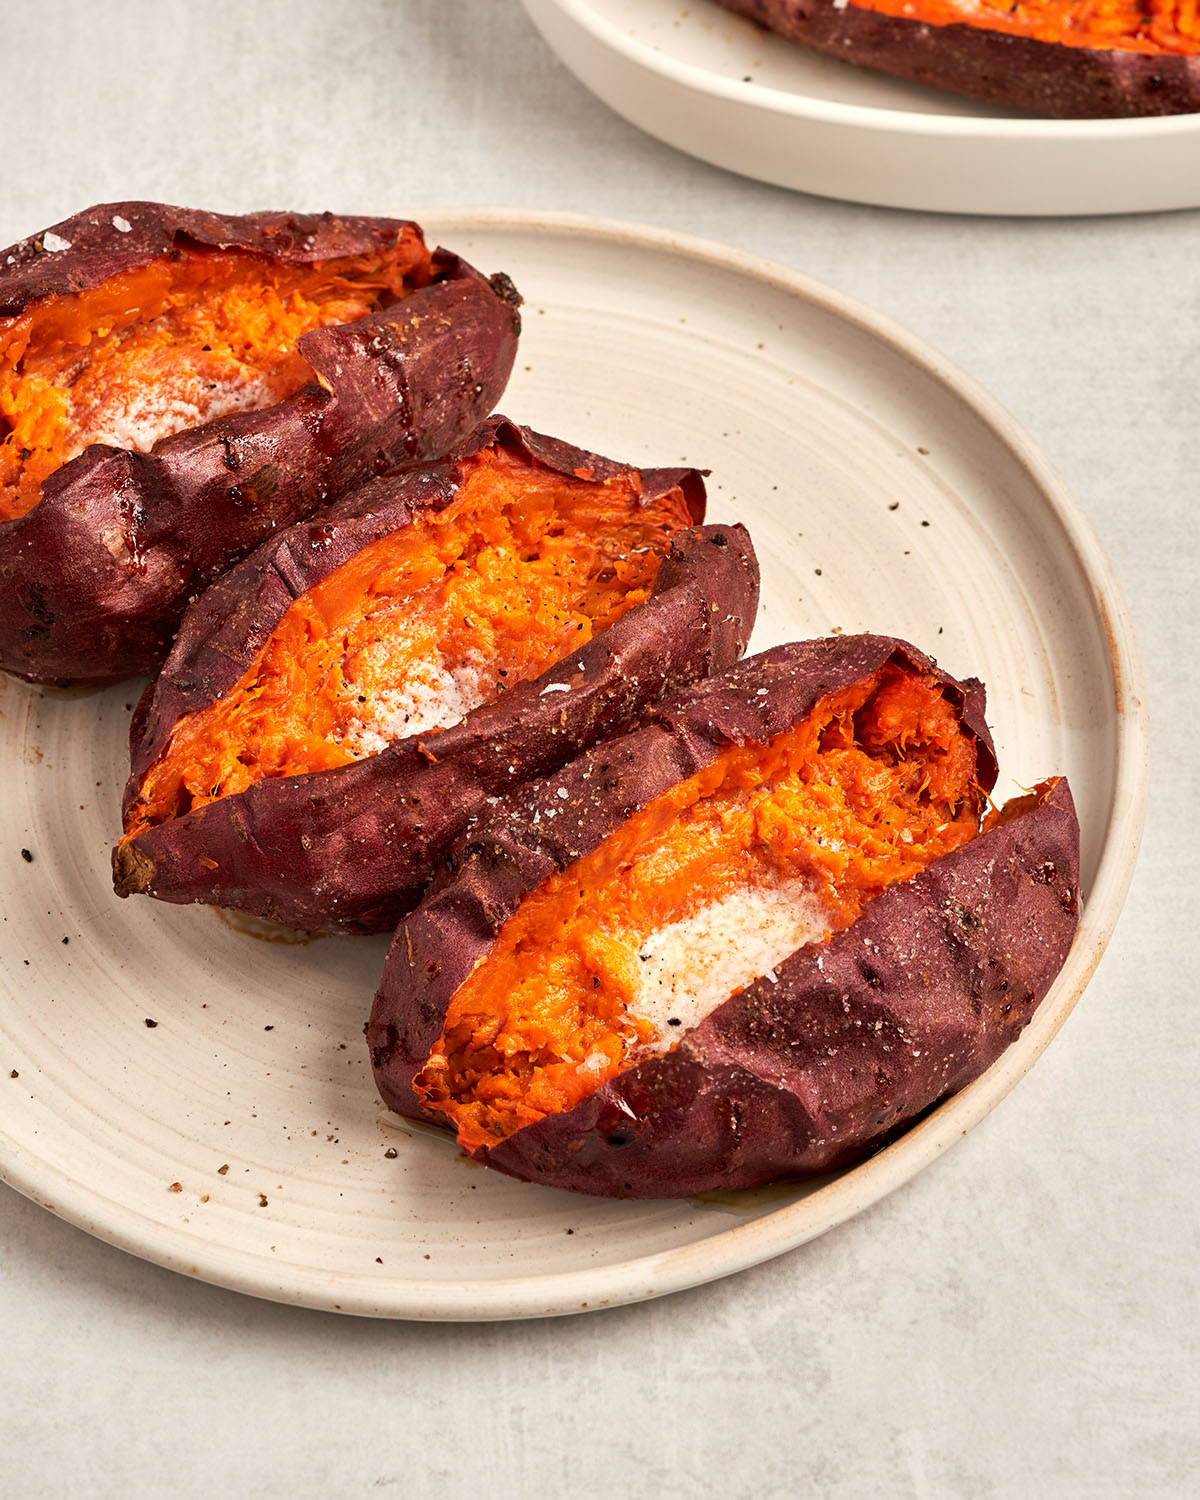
345,701
175,386
750,940
1059,58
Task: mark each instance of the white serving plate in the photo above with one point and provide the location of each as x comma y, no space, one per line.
721,88
816,416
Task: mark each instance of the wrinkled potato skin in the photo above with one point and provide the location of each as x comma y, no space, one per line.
352,849
94,579
786,1079
1056,82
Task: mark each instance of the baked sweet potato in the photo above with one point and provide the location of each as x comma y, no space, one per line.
1068,59
344,702
175,386
750,940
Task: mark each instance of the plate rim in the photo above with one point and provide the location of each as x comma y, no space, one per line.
740,1245
864,116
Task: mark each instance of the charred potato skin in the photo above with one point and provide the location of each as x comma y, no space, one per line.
628,1139
352,849
1051,80
94,579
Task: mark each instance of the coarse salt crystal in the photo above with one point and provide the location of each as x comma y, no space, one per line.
555,687
122,226
54,243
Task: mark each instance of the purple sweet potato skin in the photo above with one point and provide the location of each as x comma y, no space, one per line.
94,579
1057,82
537,831
351,849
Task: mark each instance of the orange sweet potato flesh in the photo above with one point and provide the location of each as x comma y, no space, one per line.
193,336
1149,26
879,782
522,567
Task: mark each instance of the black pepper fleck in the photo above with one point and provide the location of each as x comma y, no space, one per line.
26,856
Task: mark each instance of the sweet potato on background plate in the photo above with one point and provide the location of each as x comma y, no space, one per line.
177,385
1058,58
749,941
343,703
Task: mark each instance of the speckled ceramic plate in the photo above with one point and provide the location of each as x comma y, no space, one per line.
196,1089
718,87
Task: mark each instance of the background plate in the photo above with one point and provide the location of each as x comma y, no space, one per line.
721,88
238,1137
